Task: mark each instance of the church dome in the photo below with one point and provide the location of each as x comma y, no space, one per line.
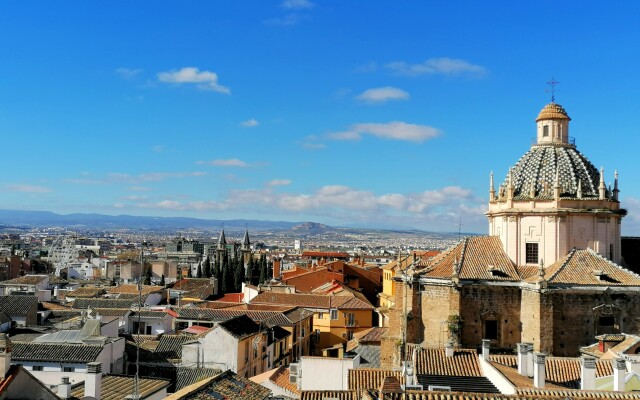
553,111
534,175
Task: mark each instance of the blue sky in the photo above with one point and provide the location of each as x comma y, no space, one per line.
377,113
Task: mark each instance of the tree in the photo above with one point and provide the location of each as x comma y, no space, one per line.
162,282
251,270
224,266
199,271
239,273
206,268
263,269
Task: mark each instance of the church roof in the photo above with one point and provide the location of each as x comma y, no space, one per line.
586,267
552,111
478,257
537,170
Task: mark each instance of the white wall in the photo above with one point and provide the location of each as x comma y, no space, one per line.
217,349
325,373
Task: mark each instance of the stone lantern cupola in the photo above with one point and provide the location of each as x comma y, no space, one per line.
553,125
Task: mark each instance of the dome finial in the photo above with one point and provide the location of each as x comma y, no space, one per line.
553,83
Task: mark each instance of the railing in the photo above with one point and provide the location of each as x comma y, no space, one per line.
571,140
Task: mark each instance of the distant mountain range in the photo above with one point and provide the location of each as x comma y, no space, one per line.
17,218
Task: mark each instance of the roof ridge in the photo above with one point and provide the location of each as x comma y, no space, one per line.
620,267
564,264
465,243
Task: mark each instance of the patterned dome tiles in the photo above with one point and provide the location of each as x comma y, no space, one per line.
536,172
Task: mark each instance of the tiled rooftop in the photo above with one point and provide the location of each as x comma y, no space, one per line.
118,387
227,385
186,376
199,288
586,267
433,361
18,305
133,289
281,378
312,301
57,352
478,257
560,372
104,303
369,378
329,394
26,280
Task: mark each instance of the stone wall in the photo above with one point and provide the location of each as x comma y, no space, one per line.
537,320
438,303
498,304
576,317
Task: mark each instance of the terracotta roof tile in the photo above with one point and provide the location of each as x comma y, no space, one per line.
133,289
560,372
281,378
226,385
118,387
312,301
369,378
586,267
478,257
433,361
329,394
26,280
56,352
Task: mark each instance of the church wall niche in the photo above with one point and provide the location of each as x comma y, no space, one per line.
490,312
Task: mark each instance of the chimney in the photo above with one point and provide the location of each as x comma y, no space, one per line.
5,355
588,373
93,382
524,350
538,370
619,372
276,268
448,349
486,346
64,388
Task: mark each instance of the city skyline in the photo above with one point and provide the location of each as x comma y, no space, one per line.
379,116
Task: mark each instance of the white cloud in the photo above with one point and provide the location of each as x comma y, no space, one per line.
396,130
279,182
297,4
205,80
250,123
438,66
444,205
231,162
128,73
27,188
383,94
157,148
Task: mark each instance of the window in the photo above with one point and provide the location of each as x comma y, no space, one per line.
606,321
316,337
531,253
545,131
491,329
320,315
68,369
334,314
37,368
